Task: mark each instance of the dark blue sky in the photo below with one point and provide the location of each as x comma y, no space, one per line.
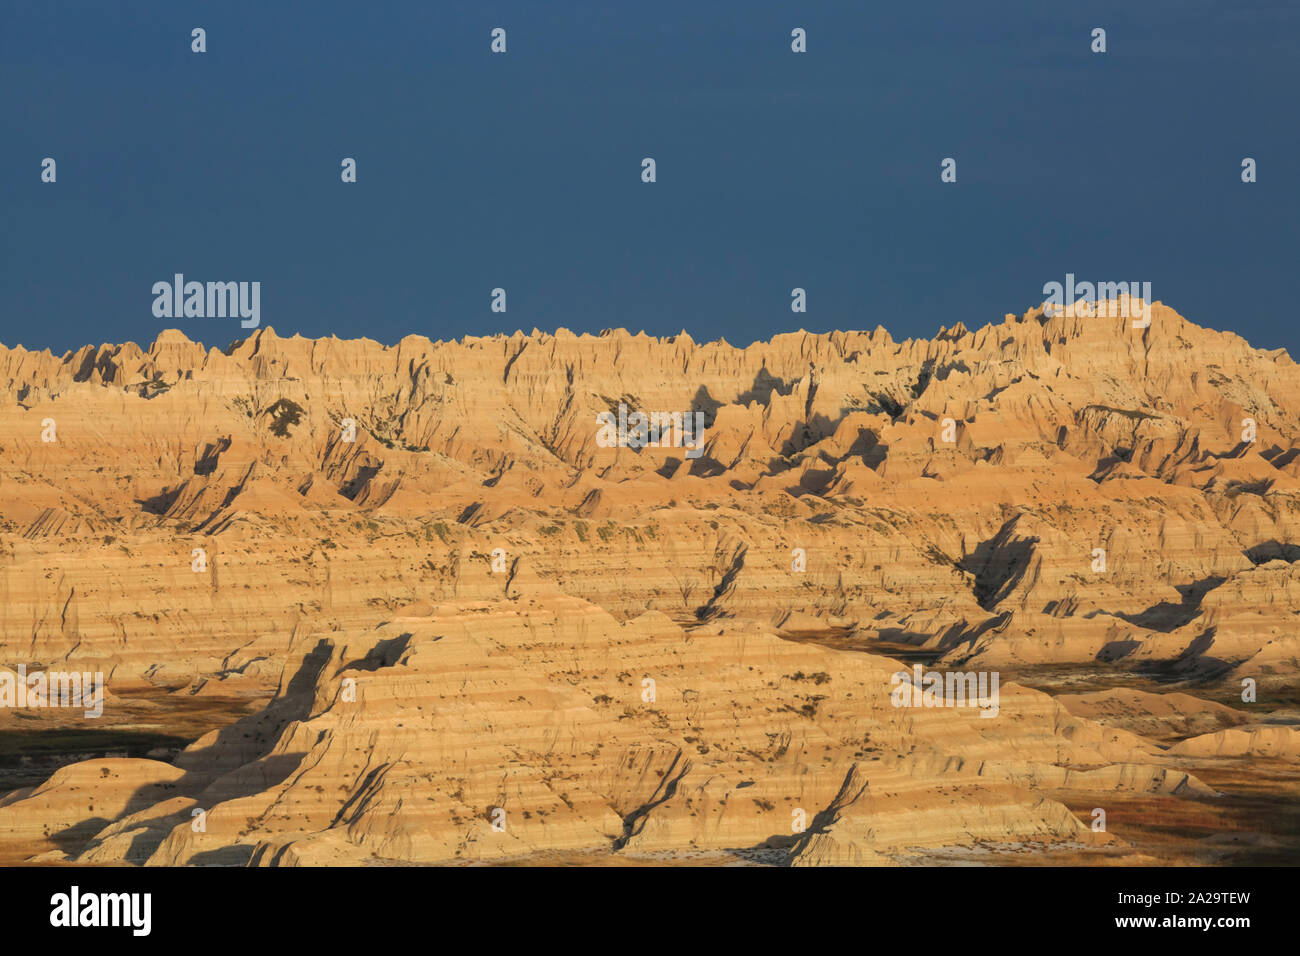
522,170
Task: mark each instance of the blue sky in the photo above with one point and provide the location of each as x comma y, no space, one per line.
522,170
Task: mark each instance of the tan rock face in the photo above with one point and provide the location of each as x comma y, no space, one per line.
483,731
1278,742
1170,716
79,800
442,524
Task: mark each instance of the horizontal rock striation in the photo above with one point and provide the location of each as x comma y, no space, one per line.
439,588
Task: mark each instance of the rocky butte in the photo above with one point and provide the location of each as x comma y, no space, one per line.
361,604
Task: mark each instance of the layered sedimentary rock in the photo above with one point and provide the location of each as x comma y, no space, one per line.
482,731
1167,716
448,521
1070,435
1282,743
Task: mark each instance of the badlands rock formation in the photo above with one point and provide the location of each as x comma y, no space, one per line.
404,745
439,595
